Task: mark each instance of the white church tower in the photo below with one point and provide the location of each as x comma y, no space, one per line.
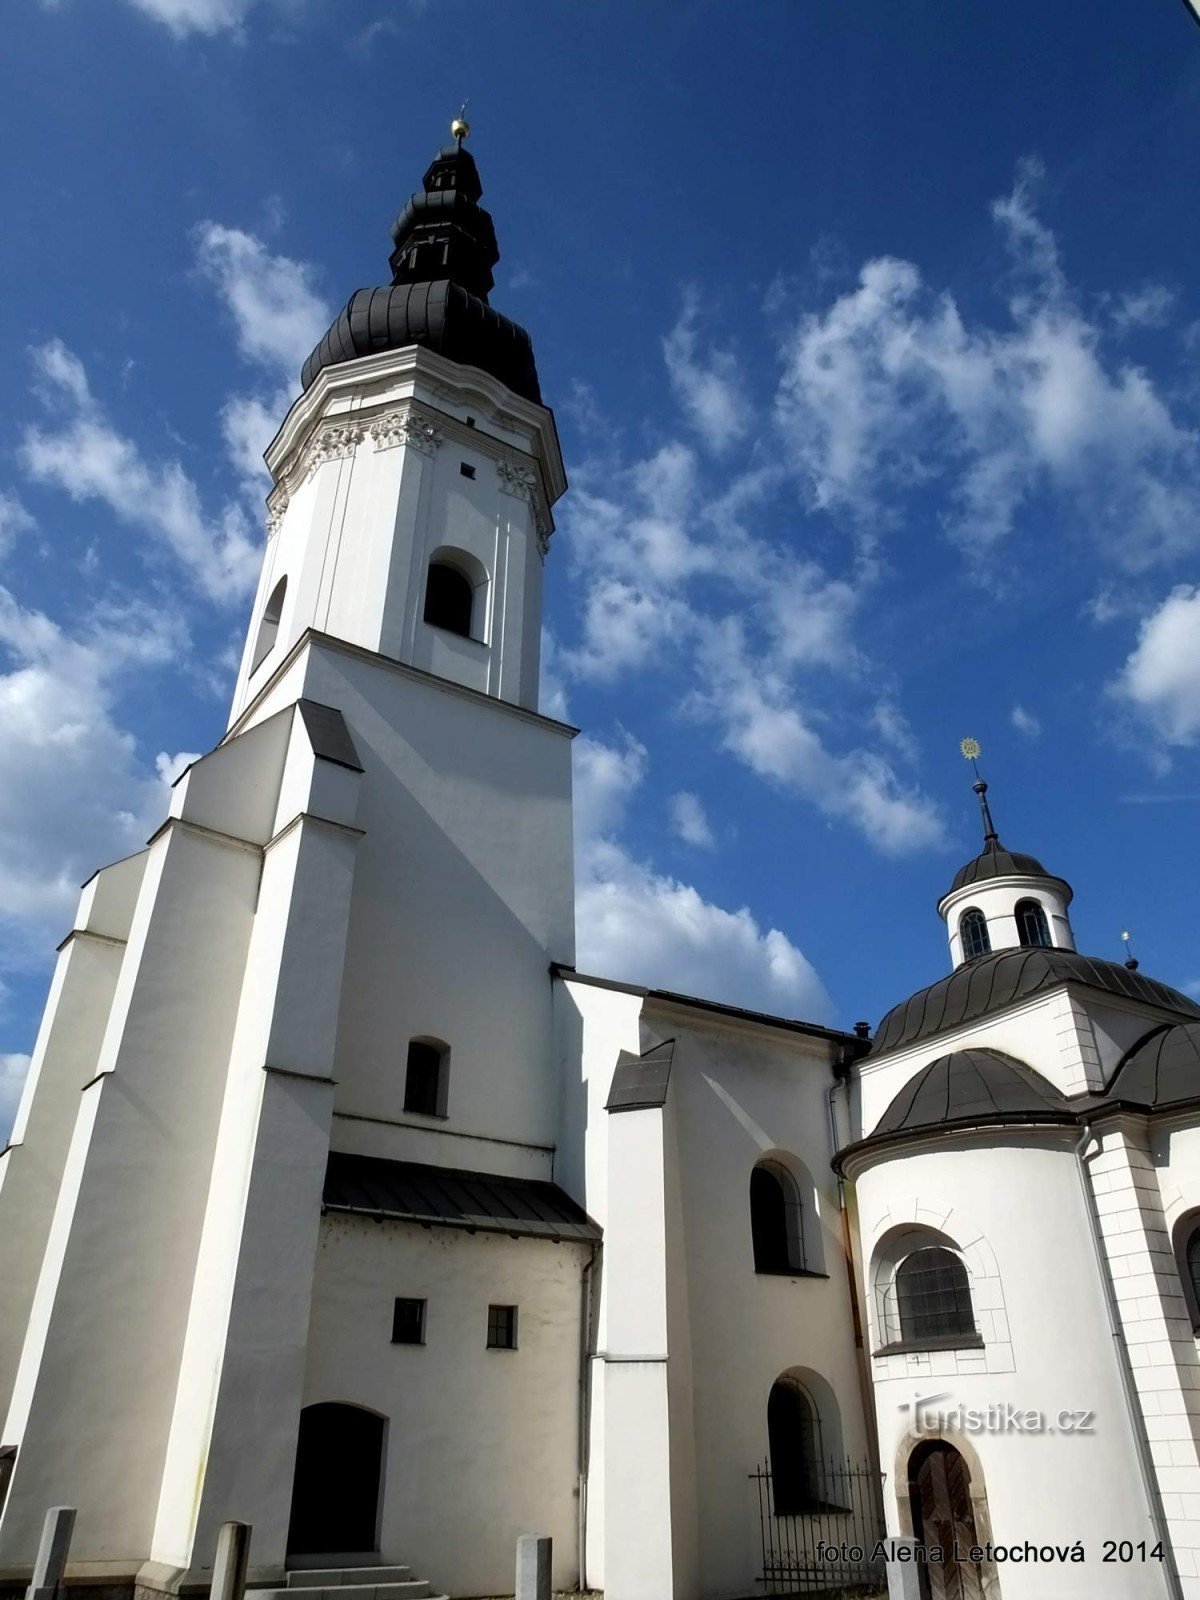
318,1004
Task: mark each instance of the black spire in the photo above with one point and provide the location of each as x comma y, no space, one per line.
990,836
444,249
994,861
444,232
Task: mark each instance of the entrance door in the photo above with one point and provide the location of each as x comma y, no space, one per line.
335,1493
939,1487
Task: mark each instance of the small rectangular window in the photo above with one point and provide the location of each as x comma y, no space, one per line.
470,422
502,1328
408,1322
467,470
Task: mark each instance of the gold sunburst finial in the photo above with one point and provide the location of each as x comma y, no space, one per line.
970,749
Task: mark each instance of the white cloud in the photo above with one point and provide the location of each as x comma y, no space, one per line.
709,387
690,820
277,313
637,925
14,520
84,454
676,579
1025,722
891,388
1161,678
278,317
205,17
13,1068
76,794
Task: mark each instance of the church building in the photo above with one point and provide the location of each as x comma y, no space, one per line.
340,1203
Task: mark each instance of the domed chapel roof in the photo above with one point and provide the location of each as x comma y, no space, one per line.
1002,979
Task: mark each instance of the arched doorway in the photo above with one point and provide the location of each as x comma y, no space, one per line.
335,1492
939,1487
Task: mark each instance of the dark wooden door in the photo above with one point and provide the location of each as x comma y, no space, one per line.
335,1493
940,1492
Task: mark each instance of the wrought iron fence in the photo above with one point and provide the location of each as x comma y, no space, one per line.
829,1548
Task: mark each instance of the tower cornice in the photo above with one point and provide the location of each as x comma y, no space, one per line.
356,394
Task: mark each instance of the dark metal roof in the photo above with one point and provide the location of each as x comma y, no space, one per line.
410,1191
1003,979
641,1081
329,735
1161,1070
994,861
442,260
972,1086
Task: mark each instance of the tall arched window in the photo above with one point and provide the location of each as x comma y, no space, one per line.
797,1453
973,930
268,628
776,1219
449,598
427,1077
1187,1259
1032,928
933,1296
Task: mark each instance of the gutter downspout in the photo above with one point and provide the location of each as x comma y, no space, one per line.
586,1355
842,1070
1125,1366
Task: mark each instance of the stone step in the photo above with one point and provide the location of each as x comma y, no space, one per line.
408,1589
343,1577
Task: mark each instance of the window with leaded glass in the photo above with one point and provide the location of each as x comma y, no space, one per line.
973,930
933,1296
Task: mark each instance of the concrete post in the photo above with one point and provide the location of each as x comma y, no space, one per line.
533,1567
52,1554
903,1569
232,1559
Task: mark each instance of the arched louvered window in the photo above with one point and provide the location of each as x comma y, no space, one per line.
449,598
1032,927
973,930
794,1435
268,628
933,1296
776,1219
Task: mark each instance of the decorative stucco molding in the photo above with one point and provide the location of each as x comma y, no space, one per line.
277,503
332,444
523,482
406,426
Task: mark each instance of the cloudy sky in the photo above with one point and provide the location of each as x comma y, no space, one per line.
873,334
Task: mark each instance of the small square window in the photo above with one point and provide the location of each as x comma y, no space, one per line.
502,1328
408,1322
470,422
467,470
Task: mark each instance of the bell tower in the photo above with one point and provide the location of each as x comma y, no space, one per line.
335,949
415,475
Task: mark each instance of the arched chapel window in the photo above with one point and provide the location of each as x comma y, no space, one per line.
268,628
973,930
776,1219
426,1078
1032,928
449,599
933,1296
1187,1257
797,1449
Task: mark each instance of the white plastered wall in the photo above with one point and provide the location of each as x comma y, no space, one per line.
1015,1209
64,1060
481,1445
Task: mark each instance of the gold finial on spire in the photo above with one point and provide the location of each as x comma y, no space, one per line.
460,127
970,749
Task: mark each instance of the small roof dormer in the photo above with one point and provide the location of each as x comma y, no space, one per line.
1003,899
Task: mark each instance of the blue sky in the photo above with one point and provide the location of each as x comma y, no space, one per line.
873,336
